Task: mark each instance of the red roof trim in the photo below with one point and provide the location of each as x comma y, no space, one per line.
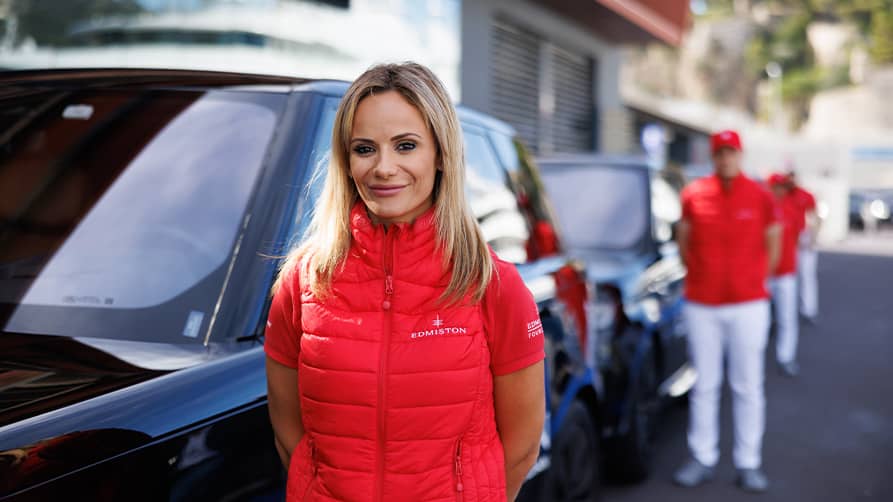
646,18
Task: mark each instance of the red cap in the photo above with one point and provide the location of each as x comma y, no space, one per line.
725,139
777,179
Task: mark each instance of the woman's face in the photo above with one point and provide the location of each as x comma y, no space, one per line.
393,158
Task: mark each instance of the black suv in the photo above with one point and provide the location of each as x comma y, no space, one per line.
138,213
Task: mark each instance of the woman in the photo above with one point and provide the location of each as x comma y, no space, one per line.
404,360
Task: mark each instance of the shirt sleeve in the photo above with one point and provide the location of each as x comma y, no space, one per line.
512,322
809,201
282,337
772,210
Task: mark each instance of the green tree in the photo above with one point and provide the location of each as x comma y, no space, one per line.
881,34
48,22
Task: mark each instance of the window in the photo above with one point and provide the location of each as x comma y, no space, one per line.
491,200
319,160
600,207
117,202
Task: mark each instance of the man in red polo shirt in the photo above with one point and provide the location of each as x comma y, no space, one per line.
783,284
807,256
729,239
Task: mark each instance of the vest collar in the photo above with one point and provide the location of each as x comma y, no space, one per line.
371,236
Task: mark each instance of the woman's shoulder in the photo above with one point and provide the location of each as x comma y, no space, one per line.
505,279
290,274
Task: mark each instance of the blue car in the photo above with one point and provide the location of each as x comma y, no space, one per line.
617,215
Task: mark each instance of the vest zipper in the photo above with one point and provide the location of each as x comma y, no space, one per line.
460,488
386,304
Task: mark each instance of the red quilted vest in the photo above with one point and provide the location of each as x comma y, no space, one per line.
396,389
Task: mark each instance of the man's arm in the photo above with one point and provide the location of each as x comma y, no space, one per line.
683,237
773,245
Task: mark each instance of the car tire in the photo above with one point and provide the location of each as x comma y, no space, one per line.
575,472
631,453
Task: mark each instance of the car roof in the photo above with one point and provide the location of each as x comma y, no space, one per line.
145,78
470,116
337,88
583,159
153,78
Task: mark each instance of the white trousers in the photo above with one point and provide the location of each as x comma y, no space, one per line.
784,296
807,261
739,332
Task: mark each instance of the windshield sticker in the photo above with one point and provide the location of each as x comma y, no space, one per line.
95,301
193,324
78,112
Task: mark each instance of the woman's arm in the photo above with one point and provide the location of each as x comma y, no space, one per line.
520,403
285,408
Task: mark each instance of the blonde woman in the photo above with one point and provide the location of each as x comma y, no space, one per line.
404,360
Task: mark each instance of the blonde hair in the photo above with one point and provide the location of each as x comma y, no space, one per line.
326,243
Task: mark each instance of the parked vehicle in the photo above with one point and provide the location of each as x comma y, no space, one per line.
139,211
869,209
616,214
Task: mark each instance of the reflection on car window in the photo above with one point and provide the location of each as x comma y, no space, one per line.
506,151
599,207
125,200
319,160
480,160
666,208
494,205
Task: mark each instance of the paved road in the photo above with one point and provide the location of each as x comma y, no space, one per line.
829,433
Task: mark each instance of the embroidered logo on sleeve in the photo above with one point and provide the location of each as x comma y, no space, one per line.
534,329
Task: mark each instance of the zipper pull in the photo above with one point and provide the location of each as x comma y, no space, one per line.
312,456
388,292
459,486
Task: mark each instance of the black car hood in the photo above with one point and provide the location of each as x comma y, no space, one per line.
43,373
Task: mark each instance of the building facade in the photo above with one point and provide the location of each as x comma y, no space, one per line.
551,68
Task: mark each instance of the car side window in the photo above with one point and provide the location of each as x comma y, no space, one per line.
481,161
319,163
492,201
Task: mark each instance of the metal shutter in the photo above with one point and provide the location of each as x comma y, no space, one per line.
515,67
572,123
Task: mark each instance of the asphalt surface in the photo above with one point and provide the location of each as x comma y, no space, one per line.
829,432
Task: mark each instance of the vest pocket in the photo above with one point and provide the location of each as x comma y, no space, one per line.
460,488
313,469
302,470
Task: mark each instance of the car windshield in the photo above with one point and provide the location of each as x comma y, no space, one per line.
119,209
599,207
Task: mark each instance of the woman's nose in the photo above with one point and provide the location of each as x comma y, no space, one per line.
386,166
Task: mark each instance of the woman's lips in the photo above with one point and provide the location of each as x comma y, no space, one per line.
386,191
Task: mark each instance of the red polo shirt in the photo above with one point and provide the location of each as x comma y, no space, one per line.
792,222
726,258
805,203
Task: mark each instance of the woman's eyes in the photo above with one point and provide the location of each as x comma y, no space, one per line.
403,146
